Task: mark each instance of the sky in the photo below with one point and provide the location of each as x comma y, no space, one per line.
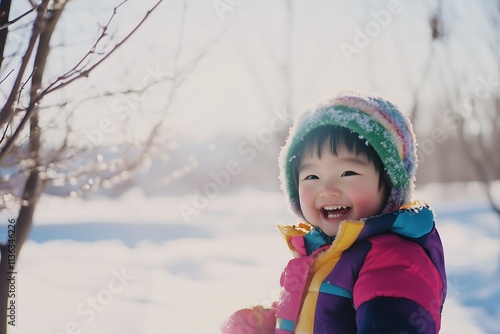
246,52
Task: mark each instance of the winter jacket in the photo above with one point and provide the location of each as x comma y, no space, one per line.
384,274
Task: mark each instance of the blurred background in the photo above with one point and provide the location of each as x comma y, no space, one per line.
138,156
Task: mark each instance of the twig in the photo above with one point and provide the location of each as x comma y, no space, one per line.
92,50
10,142
80,73
4,134
8,74
18,18
54,86
24,85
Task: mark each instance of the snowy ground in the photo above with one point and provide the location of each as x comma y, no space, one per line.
134,266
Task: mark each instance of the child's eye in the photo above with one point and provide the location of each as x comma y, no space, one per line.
349,173
311,177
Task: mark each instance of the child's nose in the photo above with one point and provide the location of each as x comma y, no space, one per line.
330,189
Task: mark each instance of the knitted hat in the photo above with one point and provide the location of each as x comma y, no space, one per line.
377,121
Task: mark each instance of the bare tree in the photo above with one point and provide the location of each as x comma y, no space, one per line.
476,117
28,163
4,21
283,64
436,36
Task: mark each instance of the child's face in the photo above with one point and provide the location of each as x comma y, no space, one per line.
337,188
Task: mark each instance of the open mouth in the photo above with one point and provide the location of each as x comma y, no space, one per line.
334,211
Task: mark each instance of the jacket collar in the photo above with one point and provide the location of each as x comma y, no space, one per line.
412,220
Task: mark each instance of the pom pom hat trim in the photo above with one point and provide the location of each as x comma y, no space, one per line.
377,121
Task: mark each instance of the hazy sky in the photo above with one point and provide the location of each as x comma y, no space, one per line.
256,57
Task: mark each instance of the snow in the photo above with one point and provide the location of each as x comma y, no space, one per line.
133,266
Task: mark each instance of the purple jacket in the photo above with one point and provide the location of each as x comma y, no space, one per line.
385,274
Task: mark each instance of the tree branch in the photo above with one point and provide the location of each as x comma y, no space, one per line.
8,111
81,73
18,18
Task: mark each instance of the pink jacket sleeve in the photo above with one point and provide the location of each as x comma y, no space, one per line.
398,268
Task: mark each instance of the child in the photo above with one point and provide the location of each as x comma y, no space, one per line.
367,259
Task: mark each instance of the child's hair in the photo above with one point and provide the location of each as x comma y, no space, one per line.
338,138
366,125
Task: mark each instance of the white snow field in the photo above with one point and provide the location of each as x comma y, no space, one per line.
134,266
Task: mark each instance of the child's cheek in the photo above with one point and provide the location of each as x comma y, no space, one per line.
364,198
305,195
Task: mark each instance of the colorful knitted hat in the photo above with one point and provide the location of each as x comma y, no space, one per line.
379,122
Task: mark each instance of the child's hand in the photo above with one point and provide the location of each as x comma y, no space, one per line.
257,320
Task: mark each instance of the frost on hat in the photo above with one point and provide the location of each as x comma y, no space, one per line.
378,121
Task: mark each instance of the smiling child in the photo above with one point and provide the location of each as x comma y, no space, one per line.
367,258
